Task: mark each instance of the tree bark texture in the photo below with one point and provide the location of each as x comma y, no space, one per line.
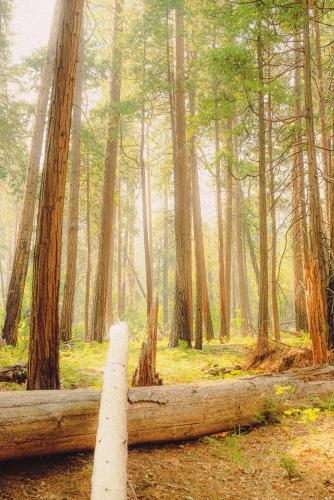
23,241
43,365
182,323
66,318
108,198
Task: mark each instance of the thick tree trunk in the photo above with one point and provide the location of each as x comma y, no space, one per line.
43,366
315,273
263,282
43,423
89,253
221,272
66,318
108,201
202,296
182,324
23,242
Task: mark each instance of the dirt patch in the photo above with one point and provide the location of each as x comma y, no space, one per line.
281,462
278,359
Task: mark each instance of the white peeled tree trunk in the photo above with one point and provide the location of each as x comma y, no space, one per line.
46,422
109,480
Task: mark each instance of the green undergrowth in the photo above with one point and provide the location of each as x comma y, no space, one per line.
82,363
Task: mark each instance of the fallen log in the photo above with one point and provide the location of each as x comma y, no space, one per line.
109,480
48,422
14,373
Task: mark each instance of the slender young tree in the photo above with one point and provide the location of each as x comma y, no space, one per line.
274,292
165,265
263,281
109,305
242,280
89,251
132,248
299,229
220,229
66,318
322,110
147,229
228,226
119,252
107,211
202,296
23,241
43,364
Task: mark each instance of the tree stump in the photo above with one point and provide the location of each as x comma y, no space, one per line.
145,374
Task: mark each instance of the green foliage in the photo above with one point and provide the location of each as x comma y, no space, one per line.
290,466
82,363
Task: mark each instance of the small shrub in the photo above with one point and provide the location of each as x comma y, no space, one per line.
290,466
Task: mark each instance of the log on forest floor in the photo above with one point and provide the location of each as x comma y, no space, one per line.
14,373
48,422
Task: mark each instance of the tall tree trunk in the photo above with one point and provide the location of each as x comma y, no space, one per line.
149,212
221,271
244,313
263,288
132,249
182,196
202,302
89,252
146,230
108,201
299,230
124,265
228,227
165,272
73,212
171,90
2,284
109,304
119,254
43,365
23,242
315,273
252,254
274,293
322,110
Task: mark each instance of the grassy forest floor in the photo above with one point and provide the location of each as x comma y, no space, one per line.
292,458
82,363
